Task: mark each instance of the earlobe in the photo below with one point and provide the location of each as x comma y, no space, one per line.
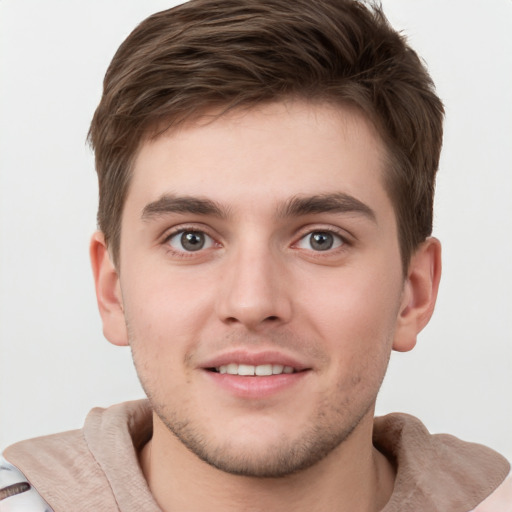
108,291
419,294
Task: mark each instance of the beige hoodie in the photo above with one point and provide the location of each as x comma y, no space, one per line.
96,468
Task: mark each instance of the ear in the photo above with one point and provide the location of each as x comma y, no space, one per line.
419,294
108,291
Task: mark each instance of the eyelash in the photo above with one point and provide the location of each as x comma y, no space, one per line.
344,242
179,230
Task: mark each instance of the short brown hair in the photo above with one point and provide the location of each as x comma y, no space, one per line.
183,61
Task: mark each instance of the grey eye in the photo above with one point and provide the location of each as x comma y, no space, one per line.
320,241
190,241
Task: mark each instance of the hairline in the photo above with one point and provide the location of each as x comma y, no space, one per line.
171,124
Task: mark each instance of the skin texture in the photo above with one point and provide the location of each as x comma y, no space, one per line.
261,291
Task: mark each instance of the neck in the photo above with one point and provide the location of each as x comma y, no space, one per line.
355,476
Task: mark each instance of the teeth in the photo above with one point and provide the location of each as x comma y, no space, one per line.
232,369
263,369
249,369
245,369
278,369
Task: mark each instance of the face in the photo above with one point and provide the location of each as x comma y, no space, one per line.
261,283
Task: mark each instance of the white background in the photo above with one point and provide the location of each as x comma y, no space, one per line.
55,364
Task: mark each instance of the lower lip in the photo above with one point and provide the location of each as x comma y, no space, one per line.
256,387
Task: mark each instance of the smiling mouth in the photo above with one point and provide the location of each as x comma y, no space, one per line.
262,370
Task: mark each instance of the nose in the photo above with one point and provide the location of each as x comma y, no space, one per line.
254,291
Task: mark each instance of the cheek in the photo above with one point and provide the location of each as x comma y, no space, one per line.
165,313
357,325
164,305
356,314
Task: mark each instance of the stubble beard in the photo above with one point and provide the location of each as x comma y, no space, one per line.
330,425
281,458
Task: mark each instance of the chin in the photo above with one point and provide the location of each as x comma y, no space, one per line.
258,451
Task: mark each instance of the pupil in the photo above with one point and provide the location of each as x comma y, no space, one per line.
321,241
192,241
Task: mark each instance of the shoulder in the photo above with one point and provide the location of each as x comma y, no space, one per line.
16,493
437,471
56,468
500,500
83,466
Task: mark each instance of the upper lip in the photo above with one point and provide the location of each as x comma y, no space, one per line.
255,359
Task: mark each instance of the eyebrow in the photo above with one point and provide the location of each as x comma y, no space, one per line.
294,207
323,203
169,203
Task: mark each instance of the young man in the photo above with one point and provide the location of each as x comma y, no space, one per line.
266,173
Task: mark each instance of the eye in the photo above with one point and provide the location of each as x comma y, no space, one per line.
320,241
190,241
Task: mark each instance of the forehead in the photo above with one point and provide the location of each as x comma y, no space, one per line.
263,155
